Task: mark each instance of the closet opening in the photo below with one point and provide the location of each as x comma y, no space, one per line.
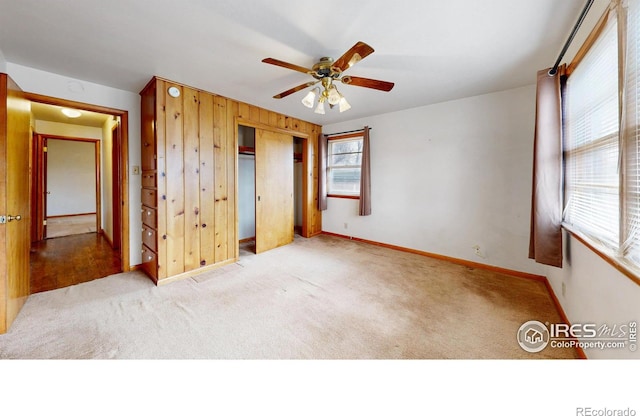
298,179
271,189
246,189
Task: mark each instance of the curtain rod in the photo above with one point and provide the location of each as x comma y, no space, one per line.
347,132
587,6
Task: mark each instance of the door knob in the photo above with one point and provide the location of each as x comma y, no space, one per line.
12,217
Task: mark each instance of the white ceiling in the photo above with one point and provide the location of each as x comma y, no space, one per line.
434,51
47,112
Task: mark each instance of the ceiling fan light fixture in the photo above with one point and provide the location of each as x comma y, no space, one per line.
308,99
334,96
344,105
320,107
328,72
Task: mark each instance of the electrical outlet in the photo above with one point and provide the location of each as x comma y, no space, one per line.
477,251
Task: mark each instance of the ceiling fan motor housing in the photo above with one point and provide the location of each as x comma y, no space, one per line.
324,68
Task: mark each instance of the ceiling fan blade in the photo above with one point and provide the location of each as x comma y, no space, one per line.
294,89
368,83
286,65
358,52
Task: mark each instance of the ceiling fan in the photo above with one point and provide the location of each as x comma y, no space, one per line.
328,72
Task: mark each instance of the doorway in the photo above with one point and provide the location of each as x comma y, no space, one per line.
66,186
272,188
63,259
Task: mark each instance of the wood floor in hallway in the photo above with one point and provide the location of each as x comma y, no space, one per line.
65,261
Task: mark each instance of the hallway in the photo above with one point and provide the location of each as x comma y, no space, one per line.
65,261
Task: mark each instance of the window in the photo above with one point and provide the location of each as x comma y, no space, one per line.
602,143
343,166
592,198
631,129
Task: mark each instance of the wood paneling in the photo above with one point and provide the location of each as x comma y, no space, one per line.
189,151
207,182
221,190
174,167
191,110
160,114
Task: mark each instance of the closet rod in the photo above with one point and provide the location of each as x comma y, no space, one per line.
587,6
347,132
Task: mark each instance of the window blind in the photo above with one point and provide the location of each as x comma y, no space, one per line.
344,163
592,182
631,135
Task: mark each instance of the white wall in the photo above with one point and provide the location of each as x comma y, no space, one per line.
63,191
54,85
3,63
595,292
246,196
447,177
246,185
71,177
298,195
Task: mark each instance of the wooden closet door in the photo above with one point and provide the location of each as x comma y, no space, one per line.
274,190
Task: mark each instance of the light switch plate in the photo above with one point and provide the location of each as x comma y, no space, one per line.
136,170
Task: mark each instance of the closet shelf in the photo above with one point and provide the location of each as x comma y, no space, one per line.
246,150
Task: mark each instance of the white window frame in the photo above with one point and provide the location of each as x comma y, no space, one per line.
331,191
591,130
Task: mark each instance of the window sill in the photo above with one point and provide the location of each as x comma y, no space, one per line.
343,196
622,265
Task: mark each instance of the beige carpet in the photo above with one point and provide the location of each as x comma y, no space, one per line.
319,298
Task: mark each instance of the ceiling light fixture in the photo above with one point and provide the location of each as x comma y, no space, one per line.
344,105
320,107
310,97
329,73
71,113
329,94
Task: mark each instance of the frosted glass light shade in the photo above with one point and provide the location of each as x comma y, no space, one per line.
320,108
334,96
344,105
308,99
